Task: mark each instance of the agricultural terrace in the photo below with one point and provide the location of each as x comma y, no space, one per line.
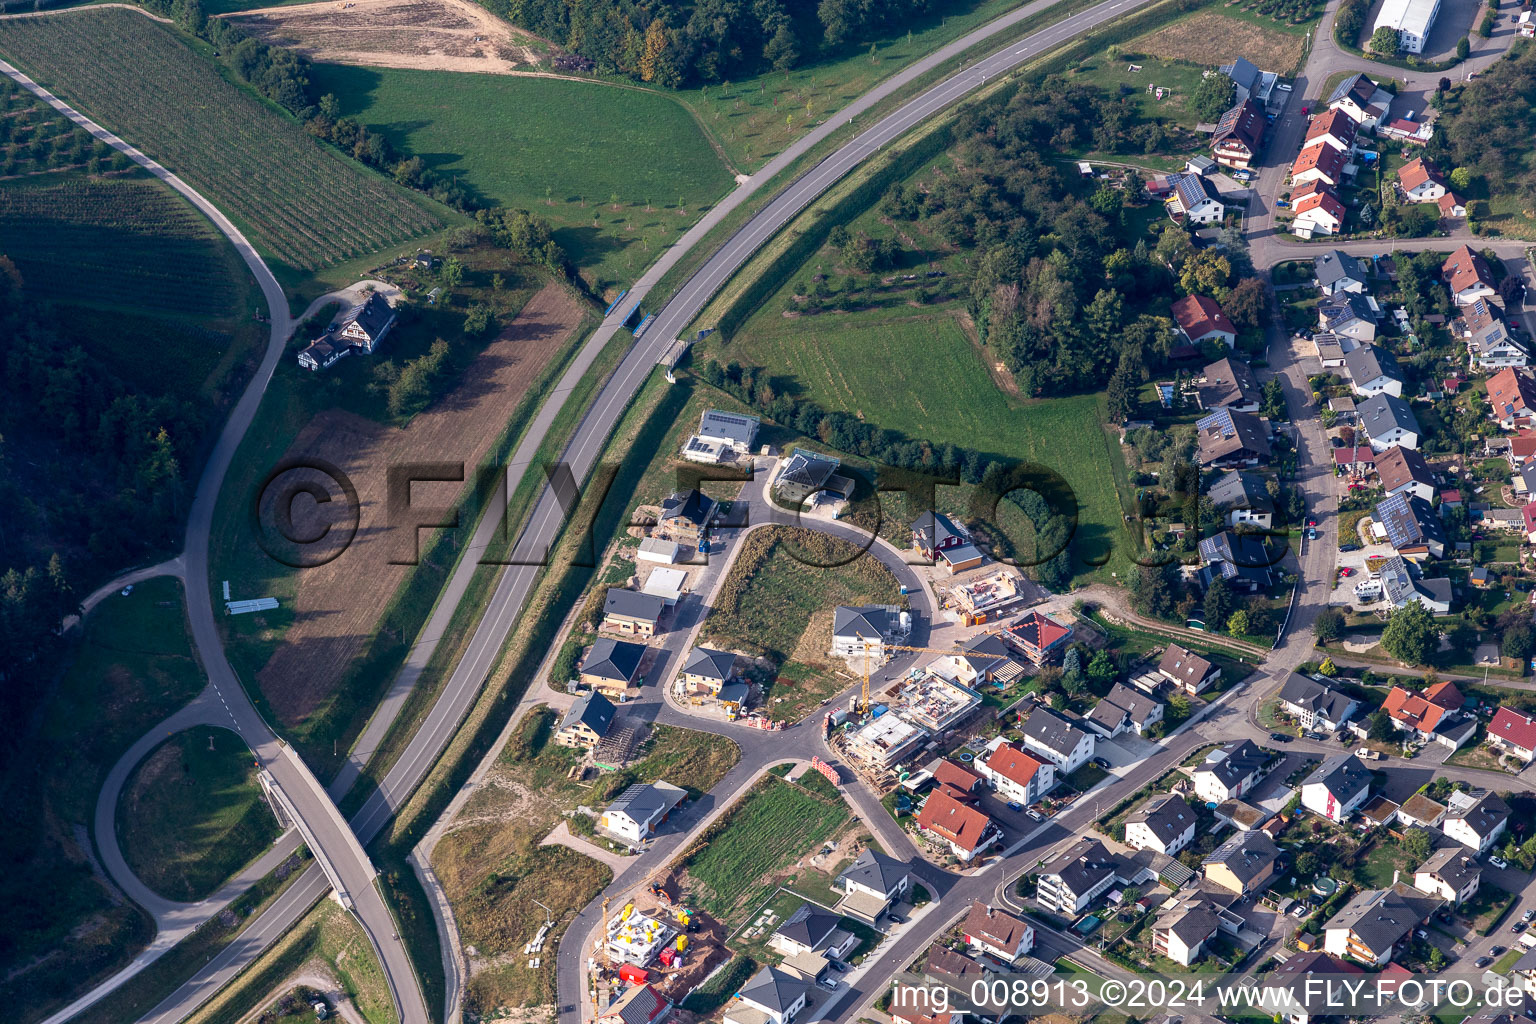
492,866
192,814
777,606
619,172
302,203
128,259
133,666
733,865
933,385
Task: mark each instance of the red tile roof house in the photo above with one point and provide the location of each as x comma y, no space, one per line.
1528,515
1468,276
1039,637
1513,733
956,780
1235,142
1200,317
967,830
1512,397
1335,127
1017,775
1452,206
1318,162
1420,713
1357,461
1318,211
1420,181
998,934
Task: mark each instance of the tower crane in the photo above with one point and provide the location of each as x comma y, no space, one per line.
873,645
603,938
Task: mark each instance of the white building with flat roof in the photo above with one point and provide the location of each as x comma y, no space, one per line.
886,740
1412,19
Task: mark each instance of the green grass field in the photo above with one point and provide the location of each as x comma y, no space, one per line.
192,814
134,266
561,149
133,666
920,375
773,825
300,202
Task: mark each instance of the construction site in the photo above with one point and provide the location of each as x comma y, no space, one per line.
655,939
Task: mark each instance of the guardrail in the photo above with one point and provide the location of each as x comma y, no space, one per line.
270,784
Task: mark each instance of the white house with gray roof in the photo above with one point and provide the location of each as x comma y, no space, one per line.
1164,823
1388,420
860,631
1337,788
771,996
1057,739
634,815
1230,771
1317,703
722,437
1476,824
871,884
1339,272
1373,371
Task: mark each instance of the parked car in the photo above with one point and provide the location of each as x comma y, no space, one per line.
1497,950
1517,927
1498,862
1279,737
1349,547
1483,961
1346,571
1529,915
1035,815
128,590
1102,763
1014,805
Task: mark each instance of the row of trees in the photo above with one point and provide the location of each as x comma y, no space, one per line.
686,42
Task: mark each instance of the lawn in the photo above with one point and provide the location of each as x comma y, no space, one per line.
192,814
619,172
492,866
921,376
133,666
1376,869
733,864
302,203
1210,37
776,605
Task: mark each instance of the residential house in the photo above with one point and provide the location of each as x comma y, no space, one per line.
997,934
1338,271
685,518
968,831
1373,371
1414,133
1348,315
1377,922
1249,80
806,474
612,666
1512,396
1336,788
587,721
1363,100
1452,206
722,437
1490,345
1230,772
871,884
1400,585
810,929
1318,210
1317,704
1319,162
637,1004
1039,637
1411,19
1411,526
1239,558
1194,200
1199,318
634,815
860,631
1231,440
631,612
1187,670
1228,384
1468,276
1015,774
1124,709
706,671
1164,823
1428,714
1180,934
956,780
1331,350
1477,823
1244,863
1404,471
1358,461
771,996
933,532
1449,873
1239,134
361,329
1049,734
1387,421
1332,128
1420,182
1069,884
1291,991
1514,734
1420,810
1243,498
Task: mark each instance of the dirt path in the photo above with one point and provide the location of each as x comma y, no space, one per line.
337,605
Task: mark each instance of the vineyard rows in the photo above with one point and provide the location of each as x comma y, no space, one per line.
301,202
119,242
